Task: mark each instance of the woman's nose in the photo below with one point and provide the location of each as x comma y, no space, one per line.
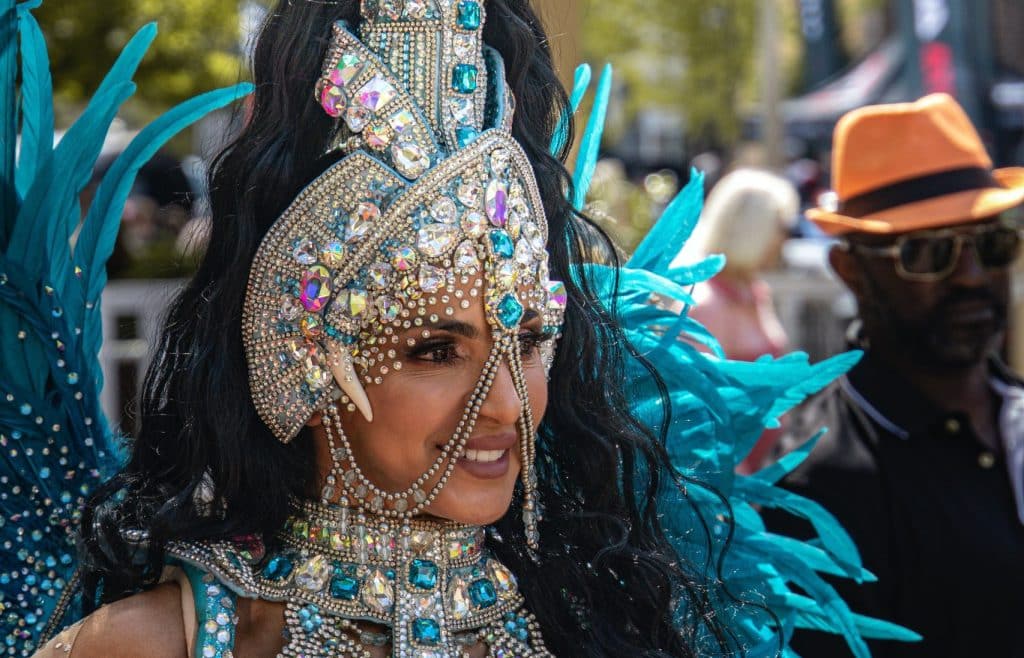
503,403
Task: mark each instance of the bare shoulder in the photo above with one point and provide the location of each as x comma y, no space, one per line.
148,624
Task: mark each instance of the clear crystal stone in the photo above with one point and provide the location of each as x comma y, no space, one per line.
306,253
443,210
469,193
313,574
436,240
378,592
431,278
466,257
410,160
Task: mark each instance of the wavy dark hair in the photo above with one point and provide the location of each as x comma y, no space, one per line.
606,581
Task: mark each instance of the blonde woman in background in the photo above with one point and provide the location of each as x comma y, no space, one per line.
746,218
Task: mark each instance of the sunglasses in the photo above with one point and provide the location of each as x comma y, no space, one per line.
933,255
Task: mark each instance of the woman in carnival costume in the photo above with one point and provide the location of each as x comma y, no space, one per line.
359,434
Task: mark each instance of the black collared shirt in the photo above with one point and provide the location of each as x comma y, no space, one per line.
931,510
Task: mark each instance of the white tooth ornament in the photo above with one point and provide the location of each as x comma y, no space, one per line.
344,372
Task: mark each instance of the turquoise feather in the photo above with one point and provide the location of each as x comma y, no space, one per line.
57,446
581,82
590,144
36,102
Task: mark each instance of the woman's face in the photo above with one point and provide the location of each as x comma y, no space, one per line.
416,411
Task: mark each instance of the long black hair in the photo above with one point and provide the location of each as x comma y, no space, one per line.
606,581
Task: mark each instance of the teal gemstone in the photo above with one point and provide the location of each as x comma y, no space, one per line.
482,593
466,135
464,78
279,568
344,588
426,631
469,15
509,312
502,244
423,574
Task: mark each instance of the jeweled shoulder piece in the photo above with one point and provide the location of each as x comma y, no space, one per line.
433,586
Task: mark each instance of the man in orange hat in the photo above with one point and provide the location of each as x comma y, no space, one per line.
924,459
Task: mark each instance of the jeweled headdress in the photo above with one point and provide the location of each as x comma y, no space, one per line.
433,205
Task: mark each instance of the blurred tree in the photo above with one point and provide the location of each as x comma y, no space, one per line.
695,57
197,48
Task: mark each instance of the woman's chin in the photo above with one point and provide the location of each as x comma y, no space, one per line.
471,507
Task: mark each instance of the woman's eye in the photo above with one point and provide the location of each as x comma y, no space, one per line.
444,353
529,341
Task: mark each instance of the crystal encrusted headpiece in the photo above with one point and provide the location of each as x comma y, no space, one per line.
433,205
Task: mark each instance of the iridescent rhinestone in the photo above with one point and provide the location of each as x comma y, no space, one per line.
513,225
333,254
443,210
348,68
356,118
464,45
509,311
313,574
431,278
464,78
392,9
500,159
306,253
558,298
290,309
458,599
421,541
503,580
312,326
474,224
353,303
378,275
506,275
401,121
461,110
300,349
362,220
436,240
469,15
496,202
524,253
388,309
378,136
466,257
376,93
427,605
333,100
532,234
416,9
404,258
316,288
469,193
318,379
378,592
410,160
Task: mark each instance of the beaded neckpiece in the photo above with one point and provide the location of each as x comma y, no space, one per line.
433,587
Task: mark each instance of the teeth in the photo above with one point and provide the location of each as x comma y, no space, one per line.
483,455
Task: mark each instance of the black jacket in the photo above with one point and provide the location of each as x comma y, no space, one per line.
931,510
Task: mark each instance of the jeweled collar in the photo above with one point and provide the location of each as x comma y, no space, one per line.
434,585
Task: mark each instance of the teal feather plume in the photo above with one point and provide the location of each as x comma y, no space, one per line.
590,144
56,444
718,409
581,82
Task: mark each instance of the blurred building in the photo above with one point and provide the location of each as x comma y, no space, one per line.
971,49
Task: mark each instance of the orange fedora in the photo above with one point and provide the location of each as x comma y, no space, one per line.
909,166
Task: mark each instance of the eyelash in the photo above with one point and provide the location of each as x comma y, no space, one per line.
529,341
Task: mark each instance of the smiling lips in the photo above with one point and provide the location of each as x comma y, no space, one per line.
487,457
